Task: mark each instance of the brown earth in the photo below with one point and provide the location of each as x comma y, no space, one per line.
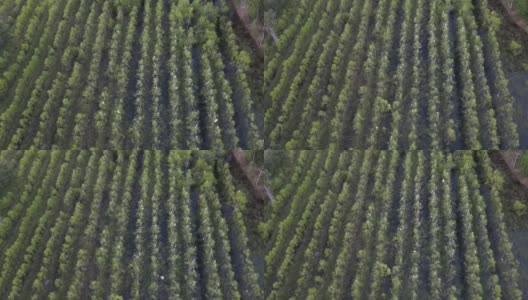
252,175
256,30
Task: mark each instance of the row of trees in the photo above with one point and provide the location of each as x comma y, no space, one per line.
25,213
30,66
66,113
88,97
334,262
507,265
502,99
140,135
285,227
76,237
339,179
86,248
66,49
294,66
301,162
107,237
306,215
25,27
61,77
298,68
41,285
367,110
333,115
374,214
244,110
248,279
362,231
339,74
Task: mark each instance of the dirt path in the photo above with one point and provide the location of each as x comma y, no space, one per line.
512,159
256,32
516,18
253,175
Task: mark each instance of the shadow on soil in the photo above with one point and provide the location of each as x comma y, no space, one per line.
518,84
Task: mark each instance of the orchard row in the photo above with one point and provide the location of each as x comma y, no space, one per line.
135,225
125,74
387,74
389,225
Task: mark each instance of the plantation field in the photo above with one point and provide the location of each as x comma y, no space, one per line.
124,225
393,225
387,74
113,74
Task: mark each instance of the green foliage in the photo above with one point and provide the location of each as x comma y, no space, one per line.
515,48
77,210
68,69
367,227
496,21
519,208
256,8
382,105
332,63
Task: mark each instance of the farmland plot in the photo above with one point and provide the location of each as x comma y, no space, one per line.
389,225
124,74
135,225
387,74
